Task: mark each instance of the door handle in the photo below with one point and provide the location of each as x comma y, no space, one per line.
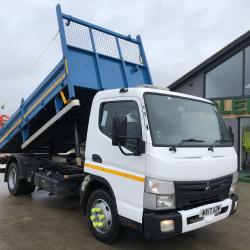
96,158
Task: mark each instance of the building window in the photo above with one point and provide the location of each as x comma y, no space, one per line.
226,79
247,71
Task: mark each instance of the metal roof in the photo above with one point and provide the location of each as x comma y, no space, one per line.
235,44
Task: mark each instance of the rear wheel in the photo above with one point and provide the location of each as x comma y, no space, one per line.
102,218
18,186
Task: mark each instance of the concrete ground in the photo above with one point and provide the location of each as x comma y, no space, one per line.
42,222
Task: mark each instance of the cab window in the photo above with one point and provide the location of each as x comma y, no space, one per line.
123,108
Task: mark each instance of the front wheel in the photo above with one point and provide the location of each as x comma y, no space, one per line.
102,218
18,186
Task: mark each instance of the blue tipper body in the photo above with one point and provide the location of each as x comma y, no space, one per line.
94,59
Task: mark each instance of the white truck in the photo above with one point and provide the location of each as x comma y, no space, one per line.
146,158
176,173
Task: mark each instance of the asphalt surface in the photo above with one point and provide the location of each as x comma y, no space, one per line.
38,221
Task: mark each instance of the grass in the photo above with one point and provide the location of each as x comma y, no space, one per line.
244,177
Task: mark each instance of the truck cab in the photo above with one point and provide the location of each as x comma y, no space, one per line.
168,157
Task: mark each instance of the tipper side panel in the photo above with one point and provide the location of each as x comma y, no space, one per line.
94,59
98,58
39,104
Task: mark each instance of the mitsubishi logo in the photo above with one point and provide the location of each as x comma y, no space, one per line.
207,187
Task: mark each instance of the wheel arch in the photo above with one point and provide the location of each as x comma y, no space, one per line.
94,183
18,159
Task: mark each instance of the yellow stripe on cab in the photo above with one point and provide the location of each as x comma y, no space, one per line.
115,172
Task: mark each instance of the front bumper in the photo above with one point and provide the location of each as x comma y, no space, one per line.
187,220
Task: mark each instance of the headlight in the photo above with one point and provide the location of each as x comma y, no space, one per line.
234,182
155,186
159,194
165,201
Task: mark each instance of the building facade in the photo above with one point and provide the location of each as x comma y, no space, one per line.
225,79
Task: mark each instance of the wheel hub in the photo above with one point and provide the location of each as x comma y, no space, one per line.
101,216
12,178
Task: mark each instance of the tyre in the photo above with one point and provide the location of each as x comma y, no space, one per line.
18,186
102,218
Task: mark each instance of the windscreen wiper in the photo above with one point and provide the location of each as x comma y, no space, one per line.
173,148
211,147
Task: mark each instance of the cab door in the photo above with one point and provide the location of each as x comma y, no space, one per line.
125,174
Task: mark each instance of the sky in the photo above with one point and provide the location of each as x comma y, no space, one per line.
177,36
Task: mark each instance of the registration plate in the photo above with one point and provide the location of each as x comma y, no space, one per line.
210,211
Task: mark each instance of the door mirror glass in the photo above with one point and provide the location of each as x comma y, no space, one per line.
119,131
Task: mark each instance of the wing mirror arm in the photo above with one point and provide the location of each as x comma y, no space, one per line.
140,148
121,149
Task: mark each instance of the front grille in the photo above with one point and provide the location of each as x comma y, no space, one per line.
196,193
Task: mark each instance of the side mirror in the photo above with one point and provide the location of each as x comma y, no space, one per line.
231,133
119,130
120,137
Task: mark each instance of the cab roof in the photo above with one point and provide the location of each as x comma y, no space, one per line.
140,90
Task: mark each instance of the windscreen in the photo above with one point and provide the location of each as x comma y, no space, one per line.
174,120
